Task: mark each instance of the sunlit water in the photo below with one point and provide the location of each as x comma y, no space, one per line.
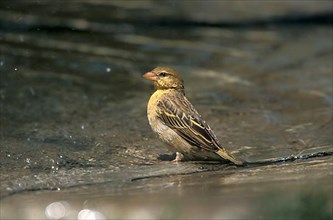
75,141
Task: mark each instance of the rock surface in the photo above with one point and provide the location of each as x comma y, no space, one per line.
73,107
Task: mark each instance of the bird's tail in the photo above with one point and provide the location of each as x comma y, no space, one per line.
225,155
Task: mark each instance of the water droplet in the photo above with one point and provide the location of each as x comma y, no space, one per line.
89,214
82,127
57,210
32,91
21,38
2,62
108,69
15,69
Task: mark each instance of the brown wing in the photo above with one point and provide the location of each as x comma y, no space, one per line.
179,114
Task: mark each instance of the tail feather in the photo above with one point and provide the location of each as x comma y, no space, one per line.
225,155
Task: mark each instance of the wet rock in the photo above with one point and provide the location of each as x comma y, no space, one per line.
73,103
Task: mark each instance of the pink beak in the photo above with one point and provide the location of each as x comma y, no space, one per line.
151,76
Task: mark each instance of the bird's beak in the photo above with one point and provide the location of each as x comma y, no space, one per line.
151,76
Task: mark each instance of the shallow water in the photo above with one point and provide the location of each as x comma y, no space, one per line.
73,114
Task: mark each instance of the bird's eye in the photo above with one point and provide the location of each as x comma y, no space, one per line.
163,74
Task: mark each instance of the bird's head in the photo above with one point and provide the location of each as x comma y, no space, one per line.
165,78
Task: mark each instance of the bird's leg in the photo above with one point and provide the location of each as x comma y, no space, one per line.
179,157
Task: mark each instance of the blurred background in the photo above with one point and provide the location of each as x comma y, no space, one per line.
75,141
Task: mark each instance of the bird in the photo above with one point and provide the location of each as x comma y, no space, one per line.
178,124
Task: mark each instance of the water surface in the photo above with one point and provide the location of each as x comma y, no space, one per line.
74,133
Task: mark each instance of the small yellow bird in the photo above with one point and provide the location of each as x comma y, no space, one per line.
177,123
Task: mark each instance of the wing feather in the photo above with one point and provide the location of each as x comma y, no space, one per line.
186,122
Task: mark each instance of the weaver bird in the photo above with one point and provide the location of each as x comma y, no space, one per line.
178,124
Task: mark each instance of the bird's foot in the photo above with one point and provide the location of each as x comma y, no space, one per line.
179,157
